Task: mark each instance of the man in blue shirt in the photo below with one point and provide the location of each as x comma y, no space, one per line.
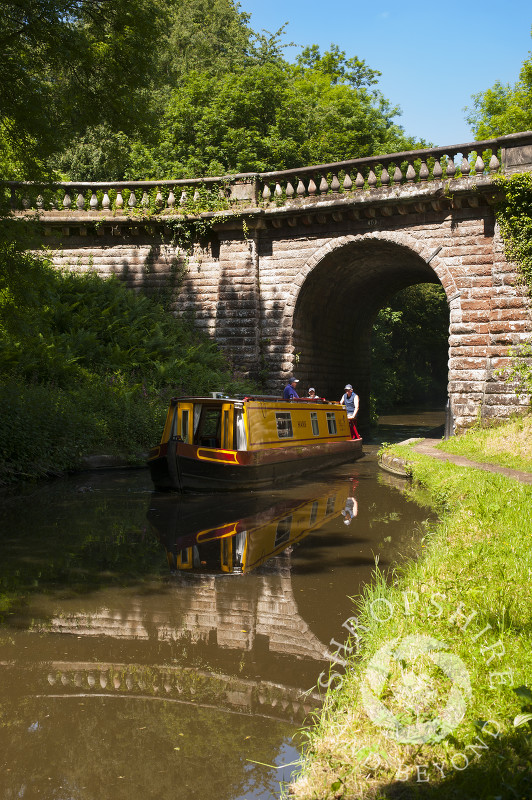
290,390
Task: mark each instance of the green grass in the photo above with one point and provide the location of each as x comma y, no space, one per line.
470,591
508,444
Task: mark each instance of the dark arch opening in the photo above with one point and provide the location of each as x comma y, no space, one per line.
336,309
410,350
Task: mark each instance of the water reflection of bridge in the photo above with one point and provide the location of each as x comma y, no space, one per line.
226,612
255,614
210,638
175,684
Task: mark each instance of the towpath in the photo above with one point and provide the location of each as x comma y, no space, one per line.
428,448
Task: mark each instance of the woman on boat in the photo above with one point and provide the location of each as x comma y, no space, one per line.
312,393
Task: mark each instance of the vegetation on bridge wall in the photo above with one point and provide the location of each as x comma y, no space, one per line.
514,215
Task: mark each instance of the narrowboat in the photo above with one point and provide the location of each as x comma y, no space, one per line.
221,443
238,546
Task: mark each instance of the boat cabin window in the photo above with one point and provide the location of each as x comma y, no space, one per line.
331,422
184,424
314,421
282,533
241,440
330,505
228,433
284,424
313,512
208,430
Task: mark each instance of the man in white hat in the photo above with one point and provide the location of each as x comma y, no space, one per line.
350,401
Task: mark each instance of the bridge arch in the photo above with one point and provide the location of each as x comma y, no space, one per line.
337,295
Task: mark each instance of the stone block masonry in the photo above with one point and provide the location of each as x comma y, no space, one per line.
297,287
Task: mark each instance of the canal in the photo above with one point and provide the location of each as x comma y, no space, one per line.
157,646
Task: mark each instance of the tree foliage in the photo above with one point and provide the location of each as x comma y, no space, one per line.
69,64
95,90
90,365
503,108
410,349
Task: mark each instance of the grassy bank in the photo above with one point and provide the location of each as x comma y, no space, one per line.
508,445
425,702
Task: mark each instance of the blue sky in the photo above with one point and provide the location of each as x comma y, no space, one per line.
433,57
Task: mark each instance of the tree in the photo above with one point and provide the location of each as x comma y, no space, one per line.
67,64
269,114
503,109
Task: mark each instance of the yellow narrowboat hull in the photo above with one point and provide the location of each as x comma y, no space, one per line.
282,440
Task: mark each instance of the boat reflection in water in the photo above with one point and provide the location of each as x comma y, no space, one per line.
240,544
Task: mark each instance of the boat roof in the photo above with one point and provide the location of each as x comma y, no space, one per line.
242,398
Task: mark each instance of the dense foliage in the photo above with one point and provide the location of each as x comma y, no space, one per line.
410,349
88,366
503,109
175,88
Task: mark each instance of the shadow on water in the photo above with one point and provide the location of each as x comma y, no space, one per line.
146,630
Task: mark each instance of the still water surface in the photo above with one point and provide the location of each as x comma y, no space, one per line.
160,646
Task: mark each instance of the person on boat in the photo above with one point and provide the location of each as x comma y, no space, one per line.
290,389
350,401
350,511
312,393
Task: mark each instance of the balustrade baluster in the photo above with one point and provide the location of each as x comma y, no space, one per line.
39,201
25,202
119,202
301,188
93,203
385,177
397,175
494,163
53,203
80,201
359,180
465,167
183,199
266,193
437,171
67,201
324,186
372,179
479,166
278,192
348,183
145,201
423,172
289,190
132,202
335,183
170,200
196,195
451,167
410,173
312,188
106,203
159,202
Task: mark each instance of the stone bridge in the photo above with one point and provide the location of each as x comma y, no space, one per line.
287,270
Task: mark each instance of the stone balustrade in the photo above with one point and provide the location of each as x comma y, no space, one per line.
477,160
